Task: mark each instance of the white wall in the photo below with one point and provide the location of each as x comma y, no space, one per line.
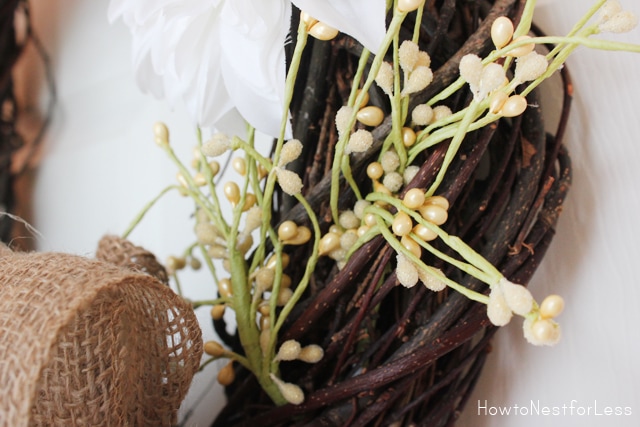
101,165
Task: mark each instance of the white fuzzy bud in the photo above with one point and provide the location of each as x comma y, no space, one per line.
359,142
422,115
384,78
289,181
408,55
471,69
291,150
253,220
217,145
518,297
390,161
419,79
348,239
289,350
343,116
498,310
493,76
348,220
431,281
609,9
393,181
441,112
359,208
311,354
409,173
291,392
406,271
621,22
529,67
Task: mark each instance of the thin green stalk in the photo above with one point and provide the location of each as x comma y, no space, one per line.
145,209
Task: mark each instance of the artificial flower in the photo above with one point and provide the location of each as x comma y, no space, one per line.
225,58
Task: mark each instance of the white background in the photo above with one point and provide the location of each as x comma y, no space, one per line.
101,165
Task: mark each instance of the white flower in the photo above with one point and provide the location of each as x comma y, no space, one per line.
225,58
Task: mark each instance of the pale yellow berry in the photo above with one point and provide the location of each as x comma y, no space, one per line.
264,278
285,281
195,263
402,224
272,262
308,19
213,348
287,230
422,115
262,171
328,243
289,350
161,133
244,243
265,320
551,306
405,6
545,332
214,167
284,295
501,31
217,252
264,310
521,50
370,219
408,137
265,338
311,354
224,288
253,219
374,170
514,106
370,115
411,245
378,187
438,201
322,31
174,263
217,311
433,213
365,98
336,229
249,201
496,102
413,198
232,192
239,165
424,233
362,230
199,179
302,236
182,180
227,374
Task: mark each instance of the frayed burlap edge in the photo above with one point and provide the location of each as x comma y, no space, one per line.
88,343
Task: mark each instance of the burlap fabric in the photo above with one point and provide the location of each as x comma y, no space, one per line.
87,343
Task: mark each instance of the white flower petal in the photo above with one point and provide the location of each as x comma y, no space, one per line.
364,20
253,33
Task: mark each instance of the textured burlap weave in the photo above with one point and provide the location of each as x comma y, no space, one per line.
87,343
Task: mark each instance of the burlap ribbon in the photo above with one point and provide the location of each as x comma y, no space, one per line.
86,343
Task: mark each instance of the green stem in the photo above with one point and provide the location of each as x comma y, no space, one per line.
146,209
